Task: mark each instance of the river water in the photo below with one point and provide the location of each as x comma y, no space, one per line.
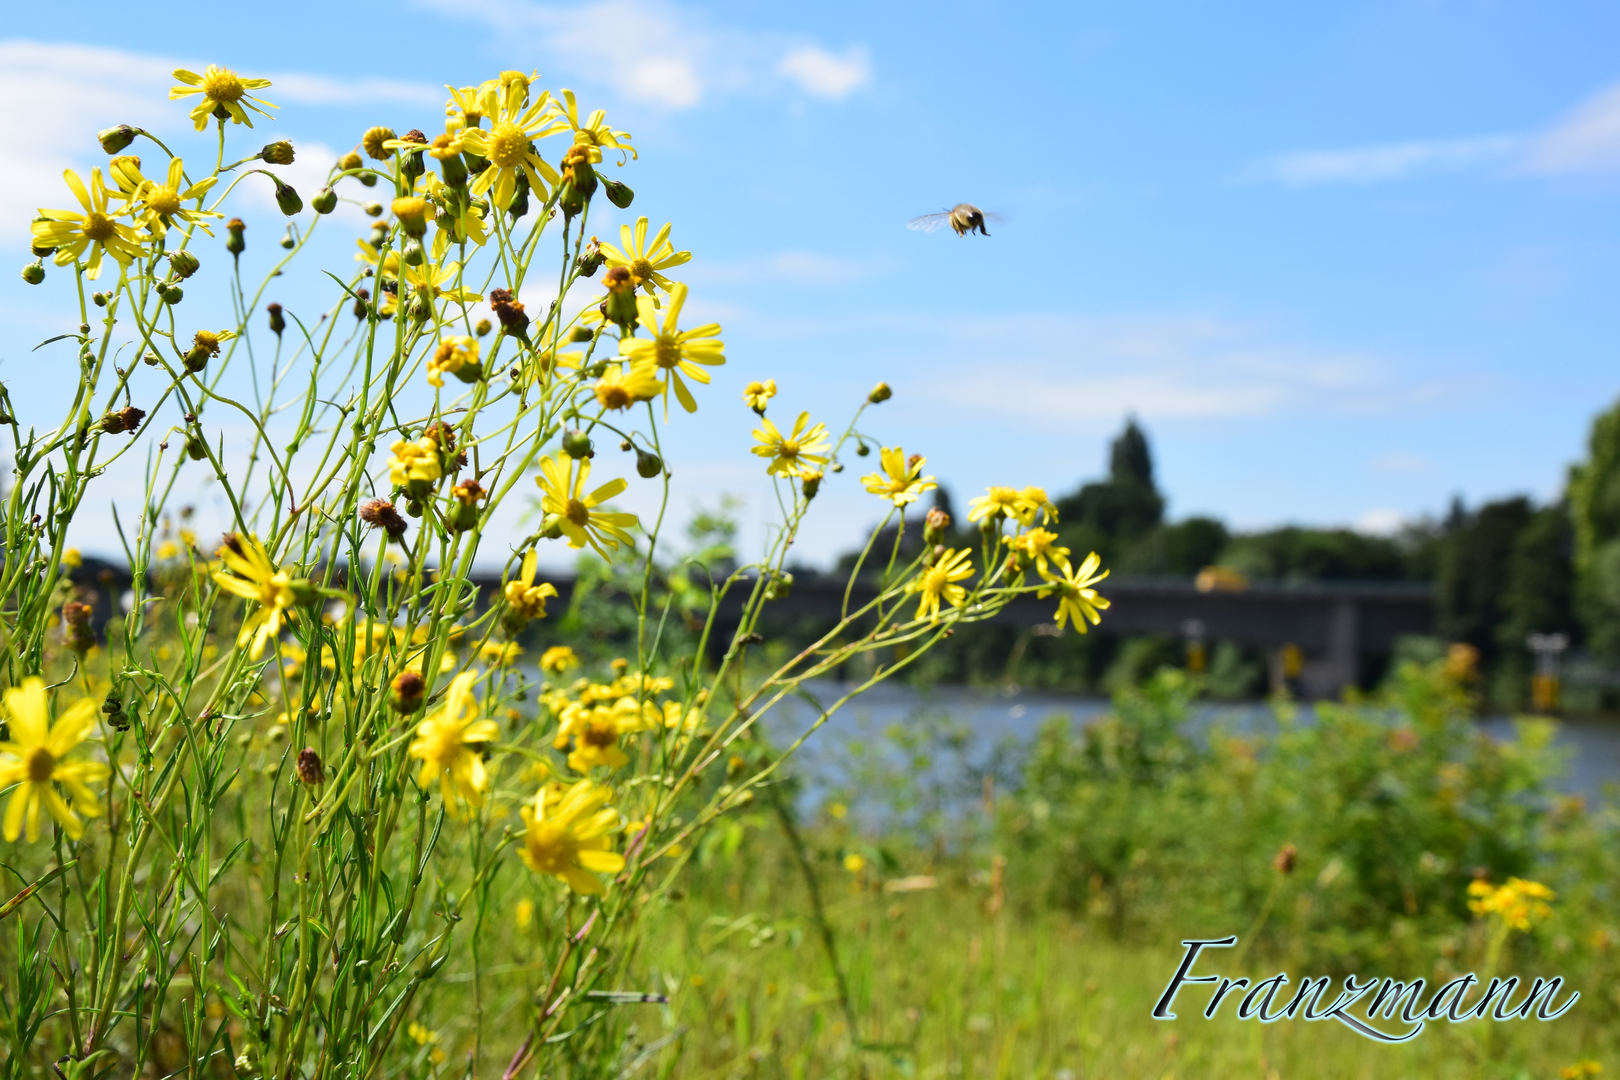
957,735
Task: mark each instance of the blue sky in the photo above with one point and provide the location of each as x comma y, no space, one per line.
1343,261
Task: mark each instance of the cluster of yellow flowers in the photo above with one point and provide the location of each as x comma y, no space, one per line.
1518,903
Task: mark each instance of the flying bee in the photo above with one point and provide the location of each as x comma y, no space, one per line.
963,217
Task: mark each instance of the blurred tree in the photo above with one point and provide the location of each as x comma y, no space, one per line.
1474,573
1296,554
1109,515
1594,499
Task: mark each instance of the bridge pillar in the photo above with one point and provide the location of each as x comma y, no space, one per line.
1328,675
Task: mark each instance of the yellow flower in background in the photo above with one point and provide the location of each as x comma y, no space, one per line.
72,559
453,353
596,742
523,914
524,597
32,761
515,125
1077,599
594,132
70,232
158,205
447,744
222,90
756,395
996,502
622,385
558,660
676,351
497,654
1033,500
1038,547
432,284
901,481
644,260
565,503
255,577
572,838
1518,903
417,460
794,454
1581,1070
854,862
938,582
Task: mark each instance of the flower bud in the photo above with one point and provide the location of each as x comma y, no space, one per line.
350,162
934,526
183,263
576,444
77,633
880,393
581,334
779,587
233,236
112,423
570,200
287,240
170,294
277,153
304,591
405,693
861,449
99,299
33,273
420,309
374,209
368,179
1284,862
360,305
411,165
454,171
310,769
372,143
590,259
520,197
618,194
621,299
324,201
810,483
39,252
287,199
196,449
648,465
277,323
381,514
412,252
551,526
482,328
114,139
510,312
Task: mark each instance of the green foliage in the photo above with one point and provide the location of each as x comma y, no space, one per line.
1594,497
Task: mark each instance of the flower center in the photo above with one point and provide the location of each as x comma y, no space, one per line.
788,450
508,145
550,846
1003,496
613,397
601,735
99,227
578,513
221,84
669,351
642,270
41,766
164,201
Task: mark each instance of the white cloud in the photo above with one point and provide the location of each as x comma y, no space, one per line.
1093,370
65,109
1400,462
819,73
1380,522
792,267
662,54
1388,162
1588,140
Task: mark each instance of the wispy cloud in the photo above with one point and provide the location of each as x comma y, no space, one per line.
663,54
1586,141
64,110
790,267
1399,462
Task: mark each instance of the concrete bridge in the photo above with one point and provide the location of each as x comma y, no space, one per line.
1340,628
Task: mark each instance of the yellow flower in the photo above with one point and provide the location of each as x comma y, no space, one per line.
523,915
644,260
901,481
997,503
453,354
32,760
1038,546
70,231
563,495
572,840
938,582
417,460
757,394
496,654
1519,902
595,132
1032,500
432,284
795,454
1076,597
596,742
676,351
1581,1070
462,220
223,90
160,204
515,124
854,862
558,659
256,578
622,385
72,559
524,597
447,744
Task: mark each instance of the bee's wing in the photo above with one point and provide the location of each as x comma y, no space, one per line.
999,219
928,222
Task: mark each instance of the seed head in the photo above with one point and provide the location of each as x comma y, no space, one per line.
277,153
310,769
405,693
382,514
372,143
